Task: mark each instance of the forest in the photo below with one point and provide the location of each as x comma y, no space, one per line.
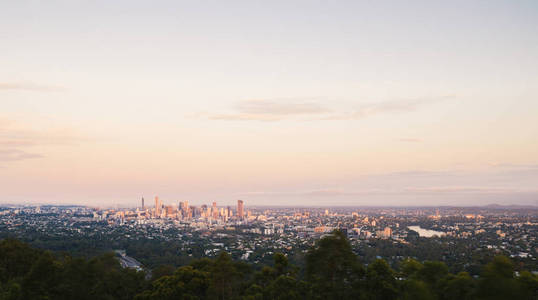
331,271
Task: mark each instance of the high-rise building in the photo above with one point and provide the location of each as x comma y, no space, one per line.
387,232
240,213
157,207
215,211
170,211
184,208
193,212
142,203
203,210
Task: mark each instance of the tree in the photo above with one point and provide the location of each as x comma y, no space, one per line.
286,287
413,289
458,287
529,285
498,281
332,268
253,292
185,283
41,280
16,259
380,281
224,277
432,272
162,270
410,267
281,264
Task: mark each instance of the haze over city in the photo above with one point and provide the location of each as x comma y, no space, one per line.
277,103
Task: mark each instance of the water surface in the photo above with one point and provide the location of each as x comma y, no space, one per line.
426,232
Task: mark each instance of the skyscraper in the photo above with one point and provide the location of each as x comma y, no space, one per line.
240,213
142,203
203,210
184,208
157,207
215,211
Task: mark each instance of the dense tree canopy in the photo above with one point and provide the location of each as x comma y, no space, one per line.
332,272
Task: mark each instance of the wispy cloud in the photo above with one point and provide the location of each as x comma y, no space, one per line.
436,191
286,109
15,140
29,86
506,166
315,193
394,106
271,110
26,137
16,154
468,190
410,140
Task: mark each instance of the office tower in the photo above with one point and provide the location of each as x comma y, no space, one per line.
192,212
188,210
215,211
240,213
184,206
203,210
157,207
387,232
142,203
169,211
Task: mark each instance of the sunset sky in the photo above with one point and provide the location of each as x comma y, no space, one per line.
273,102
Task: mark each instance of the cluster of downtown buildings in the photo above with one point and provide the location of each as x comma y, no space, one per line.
181,212
458,233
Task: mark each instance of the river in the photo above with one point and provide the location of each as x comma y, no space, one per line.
426,232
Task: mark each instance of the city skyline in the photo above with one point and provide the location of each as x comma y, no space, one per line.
277,103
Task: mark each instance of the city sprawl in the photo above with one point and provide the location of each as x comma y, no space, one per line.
151,235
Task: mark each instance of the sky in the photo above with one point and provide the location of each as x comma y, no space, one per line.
322,103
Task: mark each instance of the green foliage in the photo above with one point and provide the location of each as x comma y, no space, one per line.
34,274
380,281
16,259
413,289
332,272
285,287
498,281
456,287
332,268
162,270
224,277
410,267
529,285
185,283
